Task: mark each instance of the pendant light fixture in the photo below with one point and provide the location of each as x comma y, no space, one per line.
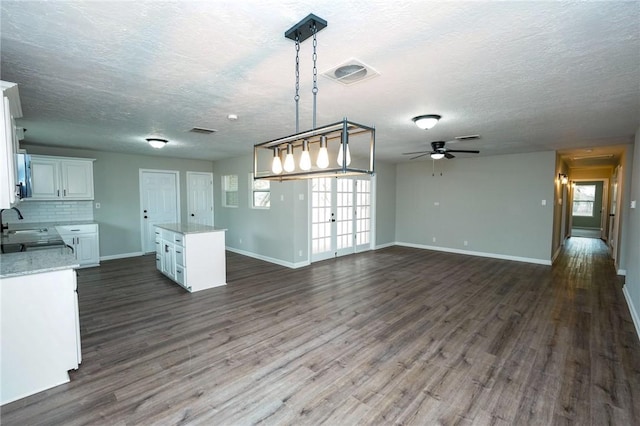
330,141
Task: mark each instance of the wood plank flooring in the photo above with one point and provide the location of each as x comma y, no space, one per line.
393,336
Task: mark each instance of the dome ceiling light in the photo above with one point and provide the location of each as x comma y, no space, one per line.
426,122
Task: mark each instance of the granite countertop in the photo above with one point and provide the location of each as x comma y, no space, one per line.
31,225
189,228
36,262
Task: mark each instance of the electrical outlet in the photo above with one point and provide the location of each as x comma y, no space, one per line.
282,198
434,239
437,203
301,197
300,253
633,204
97,205
466,243
240,240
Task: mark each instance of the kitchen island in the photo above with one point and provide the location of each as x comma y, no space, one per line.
192,255
40,323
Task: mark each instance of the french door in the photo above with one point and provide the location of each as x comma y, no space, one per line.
341,216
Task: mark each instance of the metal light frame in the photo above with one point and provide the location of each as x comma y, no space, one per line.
329,134
337,134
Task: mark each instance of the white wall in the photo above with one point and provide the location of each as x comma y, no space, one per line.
631,231
493,203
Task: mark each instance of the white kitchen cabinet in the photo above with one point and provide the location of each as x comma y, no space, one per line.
84,239
192,255
40,332
61,178
11,109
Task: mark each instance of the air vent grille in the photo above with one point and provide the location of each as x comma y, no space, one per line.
203,130
350,72
467,138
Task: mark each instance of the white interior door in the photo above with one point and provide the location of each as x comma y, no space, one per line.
200,198
159,203
341,217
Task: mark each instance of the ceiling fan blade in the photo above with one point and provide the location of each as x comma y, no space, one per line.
417,152
464,150
418,156
449,156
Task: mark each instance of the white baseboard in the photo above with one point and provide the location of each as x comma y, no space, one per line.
381,246
122,255
622,272
478,253
280,262
634,313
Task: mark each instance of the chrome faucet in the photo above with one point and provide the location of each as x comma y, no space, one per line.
2,225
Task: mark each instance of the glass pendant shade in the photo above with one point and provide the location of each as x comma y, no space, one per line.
437,155
305,158
323,155
426,122
157,143
276,165
341,154
289,162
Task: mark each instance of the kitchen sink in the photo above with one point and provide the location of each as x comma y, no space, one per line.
29,231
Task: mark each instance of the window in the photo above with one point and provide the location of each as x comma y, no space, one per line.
260,193
230,191
583,199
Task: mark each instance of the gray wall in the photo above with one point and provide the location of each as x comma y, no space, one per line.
385,203
631,231
281,233
116,186
493,203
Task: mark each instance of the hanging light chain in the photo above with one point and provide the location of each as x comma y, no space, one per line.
297,96
315,72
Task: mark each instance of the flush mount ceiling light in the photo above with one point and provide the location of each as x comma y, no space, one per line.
351,144
157,143
426,122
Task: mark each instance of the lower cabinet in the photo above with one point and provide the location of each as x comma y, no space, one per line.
84,240
196,261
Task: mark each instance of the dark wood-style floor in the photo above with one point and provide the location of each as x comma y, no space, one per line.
394,336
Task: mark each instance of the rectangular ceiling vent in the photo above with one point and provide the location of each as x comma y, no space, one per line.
202,130
350,72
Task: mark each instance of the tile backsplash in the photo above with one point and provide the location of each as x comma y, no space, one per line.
51,211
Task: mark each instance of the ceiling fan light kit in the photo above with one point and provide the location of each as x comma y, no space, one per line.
426,122
351,144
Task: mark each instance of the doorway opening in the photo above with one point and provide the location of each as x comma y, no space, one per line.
588,209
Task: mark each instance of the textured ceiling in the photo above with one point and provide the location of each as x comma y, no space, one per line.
526,76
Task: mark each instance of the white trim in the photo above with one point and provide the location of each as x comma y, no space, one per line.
381,246
477,253
122,255
280,262
556,254
632,310
622,272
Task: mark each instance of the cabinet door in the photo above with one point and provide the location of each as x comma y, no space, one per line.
44,179
7,157
86,248
168,260
77,179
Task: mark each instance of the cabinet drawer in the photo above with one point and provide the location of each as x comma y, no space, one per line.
166,235
181,276
76,229
178,239
180,256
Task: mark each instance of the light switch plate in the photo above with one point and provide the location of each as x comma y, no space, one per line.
633,204
544,202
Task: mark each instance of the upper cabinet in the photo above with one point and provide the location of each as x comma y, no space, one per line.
11,109
61,178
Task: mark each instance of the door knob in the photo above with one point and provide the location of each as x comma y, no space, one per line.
144,211
145,217
192,215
